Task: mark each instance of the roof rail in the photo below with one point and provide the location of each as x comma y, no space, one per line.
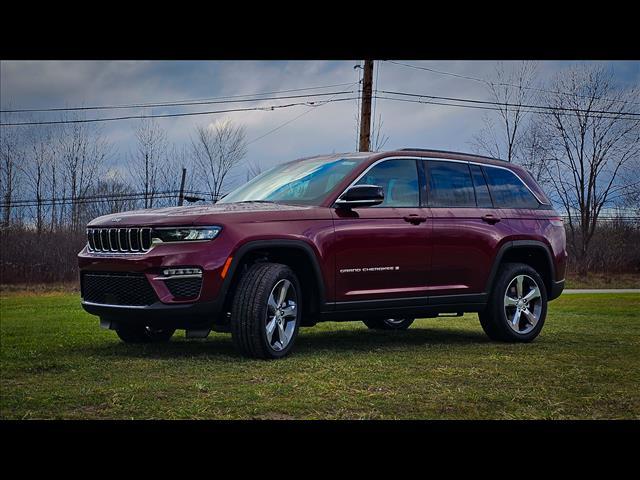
447,151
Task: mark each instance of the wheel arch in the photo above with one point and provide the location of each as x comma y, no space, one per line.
297,254
531,252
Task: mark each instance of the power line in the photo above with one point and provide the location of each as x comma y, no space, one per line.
182,114
506,104
503,84
291,120
196,101
481,107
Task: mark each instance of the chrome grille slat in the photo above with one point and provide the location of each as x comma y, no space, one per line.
104,239
122,245
92,245
119,240
113,242
96,239
133,235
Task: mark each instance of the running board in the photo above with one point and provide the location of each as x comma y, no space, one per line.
458,314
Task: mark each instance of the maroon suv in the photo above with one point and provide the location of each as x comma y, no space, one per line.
378,237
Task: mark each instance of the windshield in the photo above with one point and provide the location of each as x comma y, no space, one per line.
305,182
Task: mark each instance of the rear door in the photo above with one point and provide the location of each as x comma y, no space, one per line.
383,252
466,228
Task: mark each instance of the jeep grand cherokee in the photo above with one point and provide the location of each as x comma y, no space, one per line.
379,237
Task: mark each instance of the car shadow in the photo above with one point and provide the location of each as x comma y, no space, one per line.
308,343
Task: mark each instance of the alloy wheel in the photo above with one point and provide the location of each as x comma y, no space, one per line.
522,304
282,315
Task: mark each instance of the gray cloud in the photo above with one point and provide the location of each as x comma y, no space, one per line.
37,84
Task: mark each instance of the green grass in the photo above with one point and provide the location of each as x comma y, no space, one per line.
57,363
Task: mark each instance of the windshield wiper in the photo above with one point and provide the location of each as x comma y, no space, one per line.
256,201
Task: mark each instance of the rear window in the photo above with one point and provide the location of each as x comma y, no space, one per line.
507,189
450,185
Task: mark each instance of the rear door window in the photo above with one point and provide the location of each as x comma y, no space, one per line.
507,190
449,184
483,199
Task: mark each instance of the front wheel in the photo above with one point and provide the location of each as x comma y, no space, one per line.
265,315
517,305
388,323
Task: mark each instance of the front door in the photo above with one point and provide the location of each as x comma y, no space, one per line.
384,252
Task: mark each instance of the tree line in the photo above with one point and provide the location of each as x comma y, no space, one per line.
55,179
582,146
581,143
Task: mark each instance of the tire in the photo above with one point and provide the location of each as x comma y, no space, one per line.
261,327
144,334
499,320
388,323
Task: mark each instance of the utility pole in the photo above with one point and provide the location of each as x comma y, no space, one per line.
365,112
181,197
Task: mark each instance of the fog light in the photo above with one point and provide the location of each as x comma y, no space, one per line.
171,272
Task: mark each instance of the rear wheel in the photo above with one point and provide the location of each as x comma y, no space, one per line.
389,323
265,316
144,334
517,305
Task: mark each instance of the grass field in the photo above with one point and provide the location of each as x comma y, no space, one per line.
57,363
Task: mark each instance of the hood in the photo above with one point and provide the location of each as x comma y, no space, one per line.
198,214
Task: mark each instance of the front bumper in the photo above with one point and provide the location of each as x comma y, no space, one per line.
193,315
163,307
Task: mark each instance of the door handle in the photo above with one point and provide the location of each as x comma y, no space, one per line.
414,219
490,219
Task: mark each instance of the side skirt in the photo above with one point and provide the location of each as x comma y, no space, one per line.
410,307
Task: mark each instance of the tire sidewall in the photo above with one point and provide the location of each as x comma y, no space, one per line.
381,324
285,274
406,323
505,279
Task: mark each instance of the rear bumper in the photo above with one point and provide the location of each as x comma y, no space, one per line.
556,290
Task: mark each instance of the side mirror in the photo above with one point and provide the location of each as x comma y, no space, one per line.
361,196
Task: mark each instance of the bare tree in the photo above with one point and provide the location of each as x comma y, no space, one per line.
594,155
511,90
150,158
177,158
35,169
216,150
253,169
379,137
11,157
117,196
83,151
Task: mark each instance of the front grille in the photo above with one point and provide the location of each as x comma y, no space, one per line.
115,288
120,240
184,288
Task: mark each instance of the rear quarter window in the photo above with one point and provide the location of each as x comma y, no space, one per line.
507,189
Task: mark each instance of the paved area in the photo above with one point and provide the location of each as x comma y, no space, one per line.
601,290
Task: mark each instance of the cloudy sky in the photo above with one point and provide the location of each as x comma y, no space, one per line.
325,129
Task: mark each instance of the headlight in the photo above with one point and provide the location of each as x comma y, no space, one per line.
185,234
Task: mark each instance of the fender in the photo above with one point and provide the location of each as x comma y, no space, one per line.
515,244
253,245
